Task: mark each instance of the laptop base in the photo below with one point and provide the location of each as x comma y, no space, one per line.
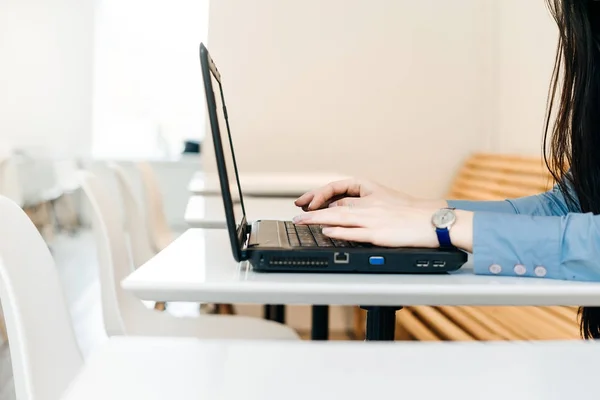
369,260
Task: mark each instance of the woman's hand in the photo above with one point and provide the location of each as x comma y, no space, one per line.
359,193
389,226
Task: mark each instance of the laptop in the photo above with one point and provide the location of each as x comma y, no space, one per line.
282,246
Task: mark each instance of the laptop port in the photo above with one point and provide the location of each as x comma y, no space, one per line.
439,264
422,264
341,258
376,260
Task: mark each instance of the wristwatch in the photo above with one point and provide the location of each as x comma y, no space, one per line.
442,221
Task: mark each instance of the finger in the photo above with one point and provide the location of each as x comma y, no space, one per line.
350,202
336,216
327,193
351,234
305,199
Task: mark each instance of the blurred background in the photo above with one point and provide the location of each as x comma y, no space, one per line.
340,83
399,91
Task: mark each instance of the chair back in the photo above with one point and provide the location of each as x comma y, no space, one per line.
158,228
66,174
114,262
139,240
9,181
44,351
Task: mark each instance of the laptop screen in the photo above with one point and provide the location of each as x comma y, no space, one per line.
226,141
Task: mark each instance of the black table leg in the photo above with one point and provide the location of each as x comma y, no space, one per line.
277,313
381,322
320,323
267,311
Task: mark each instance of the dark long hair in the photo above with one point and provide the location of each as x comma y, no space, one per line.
572,140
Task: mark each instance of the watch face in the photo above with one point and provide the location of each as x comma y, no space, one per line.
444,218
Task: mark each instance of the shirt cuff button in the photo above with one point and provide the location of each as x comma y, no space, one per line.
520,269
495,269
540,271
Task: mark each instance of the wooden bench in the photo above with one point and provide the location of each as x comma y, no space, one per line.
493,177
490,177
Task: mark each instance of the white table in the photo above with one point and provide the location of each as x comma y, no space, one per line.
199,267
161,369
208,211
264,184
267,195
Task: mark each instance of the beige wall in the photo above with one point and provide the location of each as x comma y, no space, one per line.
390,89
524,48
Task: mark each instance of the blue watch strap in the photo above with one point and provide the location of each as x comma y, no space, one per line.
444,237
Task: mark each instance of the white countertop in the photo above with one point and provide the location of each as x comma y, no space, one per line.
165,369
208,211
199,267
264,184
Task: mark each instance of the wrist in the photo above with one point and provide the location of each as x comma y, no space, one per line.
430,204
461,233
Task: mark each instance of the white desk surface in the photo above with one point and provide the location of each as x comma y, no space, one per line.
208,211
264,184
164,369
199,267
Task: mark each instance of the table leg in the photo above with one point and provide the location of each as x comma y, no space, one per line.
320,323
381,323
274,313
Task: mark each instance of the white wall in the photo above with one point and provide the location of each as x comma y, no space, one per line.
147,81
46,74
390,89
525,39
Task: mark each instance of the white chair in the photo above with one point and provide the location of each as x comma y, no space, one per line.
3,166
44,351
10,186
45,357
3,332
135,226
158,228
64,207
37,186
125,315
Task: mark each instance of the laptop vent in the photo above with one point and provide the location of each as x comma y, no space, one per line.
300,262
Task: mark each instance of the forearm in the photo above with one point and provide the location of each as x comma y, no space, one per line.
430,203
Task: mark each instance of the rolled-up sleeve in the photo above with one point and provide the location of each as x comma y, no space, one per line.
561,247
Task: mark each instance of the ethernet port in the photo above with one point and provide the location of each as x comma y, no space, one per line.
341,258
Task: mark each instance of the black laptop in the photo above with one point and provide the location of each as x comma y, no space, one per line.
282,246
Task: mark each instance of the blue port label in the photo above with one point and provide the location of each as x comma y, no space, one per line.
376,260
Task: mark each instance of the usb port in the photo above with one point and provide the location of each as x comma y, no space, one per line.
422,264
439,264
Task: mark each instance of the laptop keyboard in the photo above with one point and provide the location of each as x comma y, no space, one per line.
312,236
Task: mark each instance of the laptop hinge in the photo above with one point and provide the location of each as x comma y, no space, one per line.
252,232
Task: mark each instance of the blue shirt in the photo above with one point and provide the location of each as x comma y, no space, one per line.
536,236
